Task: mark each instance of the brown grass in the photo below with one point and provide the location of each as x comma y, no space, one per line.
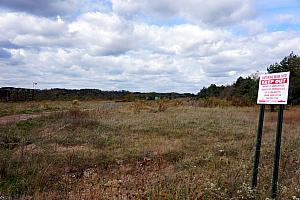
132,151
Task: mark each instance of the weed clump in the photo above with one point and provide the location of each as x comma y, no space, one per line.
138,106
76,117
162,105
174,156
75,102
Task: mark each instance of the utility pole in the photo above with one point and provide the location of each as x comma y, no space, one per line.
33,84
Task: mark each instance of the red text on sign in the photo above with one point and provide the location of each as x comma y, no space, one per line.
274,81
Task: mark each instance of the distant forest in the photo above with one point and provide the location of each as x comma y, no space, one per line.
242,92
22,94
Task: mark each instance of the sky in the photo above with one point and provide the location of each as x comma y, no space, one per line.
149,45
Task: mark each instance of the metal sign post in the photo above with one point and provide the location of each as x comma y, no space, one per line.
273,90
258,144
277,151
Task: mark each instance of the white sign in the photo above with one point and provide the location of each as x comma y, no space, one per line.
273,88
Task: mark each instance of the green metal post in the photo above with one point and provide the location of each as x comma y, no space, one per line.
258,144
277,151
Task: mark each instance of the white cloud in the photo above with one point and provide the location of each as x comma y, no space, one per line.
195,11
287,18
106,50
254,27
25,30
102,33
42,7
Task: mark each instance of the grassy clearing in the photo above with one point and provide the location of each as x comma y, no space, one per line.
141,150
28,107
13,108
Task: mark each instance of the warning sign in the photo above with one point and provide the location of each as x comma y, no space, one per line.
273,88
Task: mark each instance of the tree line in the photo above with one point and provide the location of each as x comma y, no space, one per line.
22,94
244,90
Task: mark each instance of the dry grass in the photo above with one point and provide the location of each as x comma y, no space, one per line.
13,108
133,151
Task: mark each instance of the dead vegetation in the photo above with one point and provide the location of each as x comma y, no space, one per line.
146,150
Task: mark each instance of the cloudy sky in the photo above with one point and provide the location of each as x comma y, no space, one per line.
142,45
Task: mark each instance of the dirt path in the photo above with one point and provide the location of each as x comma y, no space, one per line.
23,117
20,117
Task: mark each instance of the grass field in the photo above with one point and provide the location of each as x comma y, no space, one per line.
41,106
142,150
